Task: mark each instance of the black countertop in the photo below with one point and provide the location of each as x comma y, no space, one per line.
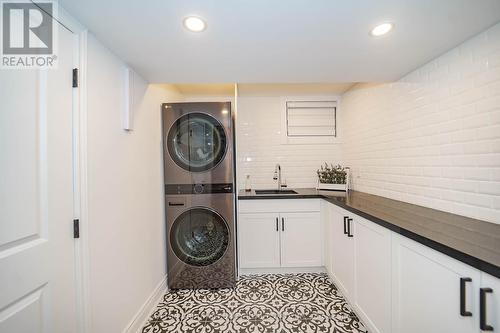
474,242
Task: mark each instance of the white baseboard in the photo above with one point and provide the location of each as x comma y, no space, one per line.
140,318
281,270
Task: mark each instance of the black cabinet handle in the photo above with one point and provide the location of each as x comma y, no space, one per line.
282,224
345,226
349,228
463,311
277,228
482,309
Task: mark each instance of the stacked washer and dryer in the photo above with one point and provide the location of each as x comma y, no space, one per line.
199,195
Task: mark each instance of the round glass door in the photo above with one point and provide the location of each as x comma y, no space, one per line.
196,142
199,237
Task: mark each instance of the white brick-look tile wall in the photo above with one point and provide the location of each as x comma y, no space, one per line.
433,137
259,147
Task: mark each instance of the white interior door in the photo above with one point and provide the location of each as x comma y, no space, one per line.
37,282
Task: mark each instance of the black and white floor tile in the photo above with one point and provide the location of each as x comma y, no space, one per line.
268,303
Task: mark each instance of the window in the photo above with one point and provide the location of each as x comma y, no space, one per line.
311,118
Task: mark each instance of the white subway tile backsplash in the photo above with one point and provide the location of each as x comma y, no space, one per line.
494,59
492,160
478,199
487,77
477,120
451,126
495,174
494,88
450,195
490,187
466,135
259,146
433,137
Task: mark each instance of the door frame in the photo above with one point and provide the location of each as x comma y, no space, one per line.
80,189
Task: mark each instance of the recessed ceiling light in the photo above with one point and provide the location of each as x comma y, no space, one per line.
194,23
381,29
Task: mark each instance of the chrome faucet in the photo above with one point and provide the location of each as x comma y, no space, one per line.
277,175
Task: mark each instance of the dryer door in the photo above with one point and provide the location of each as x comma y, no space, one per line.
197,142
199,237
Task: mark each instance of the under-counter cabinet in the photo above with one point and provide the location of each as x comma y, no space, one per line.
258,240
280,233
372,277
393,283
361,265
431,291
342,251
300,235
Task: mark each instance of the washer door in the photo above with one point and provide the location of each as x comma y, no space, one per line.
199,237
196,142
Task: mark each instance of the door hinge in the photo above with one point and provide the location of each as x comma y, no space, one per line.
76,228
75,77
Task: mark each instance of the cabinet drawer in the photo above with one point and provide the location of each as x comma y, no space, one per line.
279,205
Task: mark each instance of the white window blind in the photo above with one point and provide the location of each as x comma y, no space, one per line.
311,118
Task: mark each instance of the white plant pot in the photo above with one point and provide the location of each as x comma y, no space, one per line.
332,187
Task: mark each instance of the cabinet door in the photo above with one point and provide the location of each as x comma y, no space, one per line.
327,236
301,240
372,274
426,290
491,305
258,240
342,254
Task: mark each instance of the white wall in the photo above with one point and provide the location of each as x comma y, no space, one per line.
433,137
125,193
259,147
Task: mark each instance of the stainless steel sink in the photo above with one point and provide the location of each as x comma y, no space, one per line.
261,192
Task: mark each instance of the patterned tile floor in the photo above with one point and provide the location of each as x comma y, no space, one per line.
268,303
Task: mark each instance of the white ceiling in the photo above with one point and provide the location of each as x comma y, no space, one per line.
264,41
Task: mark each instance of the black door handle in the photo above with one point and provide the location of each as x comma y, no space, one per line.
482,309
282,224
277,229
345,226
463,311
349,228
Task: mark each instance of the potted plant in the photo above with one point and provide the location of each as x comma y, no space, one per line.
332,177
